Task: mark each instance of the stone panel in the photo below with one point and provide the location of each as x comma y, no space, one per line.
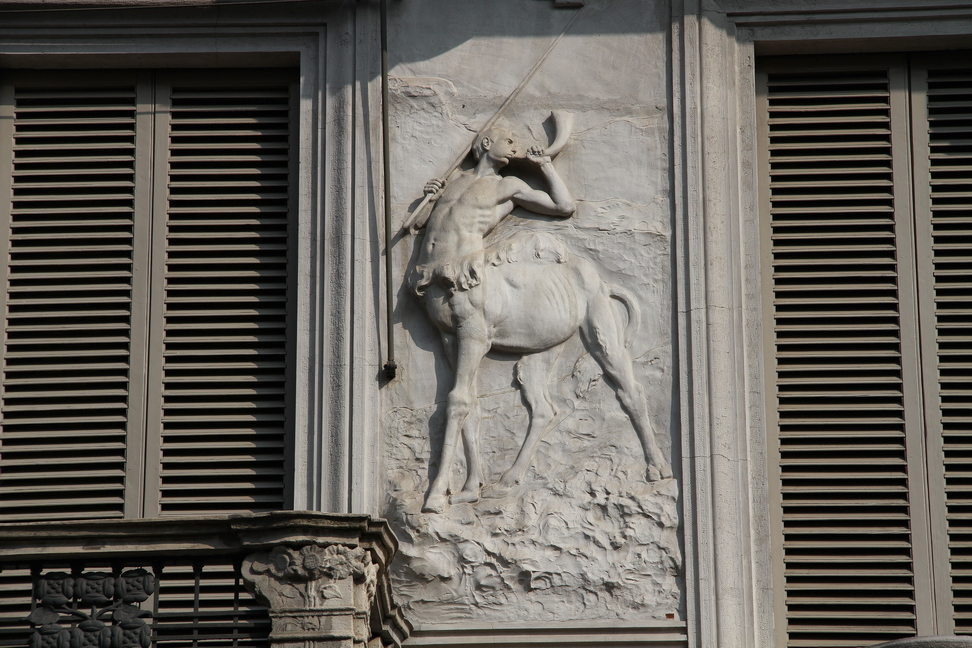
584,534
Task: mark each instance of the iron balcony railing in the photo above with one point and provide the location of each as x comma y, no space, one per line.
130,603
182,583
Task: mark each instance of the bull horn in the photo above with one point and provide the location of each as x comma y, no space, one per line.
563,126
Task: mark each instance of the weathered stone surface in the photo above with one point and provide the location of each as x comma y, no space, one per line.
577,545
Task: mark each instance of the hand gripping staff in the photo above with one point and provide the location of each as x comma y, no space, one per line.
563,121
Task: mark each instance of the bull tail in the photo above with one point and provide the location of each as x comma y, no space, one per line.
634,313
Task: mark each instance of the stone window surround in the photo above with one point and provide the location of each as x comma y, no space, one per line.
337,56
720,315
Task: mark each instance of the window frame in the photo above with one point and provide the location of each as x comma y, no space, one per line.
145,439
336,54
720,306
925,439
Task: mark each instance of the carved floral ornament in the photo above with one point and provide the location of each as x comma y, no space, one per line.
312,563
308,576
110,598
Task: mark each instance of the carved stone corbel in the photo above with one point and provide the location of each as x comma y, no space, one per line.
317,596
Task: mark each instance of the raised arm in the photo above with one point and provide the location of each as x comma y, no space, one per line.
556,203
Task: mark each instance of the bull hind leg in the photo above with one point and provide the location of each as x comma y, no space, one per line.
604,336
533,374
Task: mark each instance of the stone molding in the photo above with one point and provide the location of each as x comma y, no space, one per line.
574,634
195,535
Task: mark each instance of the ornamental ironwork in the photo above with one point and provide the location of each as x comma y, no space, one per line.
92,610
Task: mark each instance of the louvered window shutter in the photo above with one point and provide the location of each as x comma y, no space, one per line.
69,243
943,187
841,389
866,197
146,355
225,342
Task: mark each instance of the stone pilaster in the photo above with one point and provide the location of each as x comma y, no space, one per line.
318,596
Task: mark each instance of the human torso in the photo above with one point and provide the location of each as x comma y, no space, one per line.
469,207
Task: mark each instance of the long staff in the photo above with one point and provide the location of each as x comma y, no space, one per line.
420,215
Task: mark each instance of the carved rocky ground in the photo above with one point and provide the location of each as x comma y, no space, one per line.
585,536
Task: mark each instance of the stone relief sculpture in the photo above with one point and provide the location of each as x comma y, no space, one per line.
527,295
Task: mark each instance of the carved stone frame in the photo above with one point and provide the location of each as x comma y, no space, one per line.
724,434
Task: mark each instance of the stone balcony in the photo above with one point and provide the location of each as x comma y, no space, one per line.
274,579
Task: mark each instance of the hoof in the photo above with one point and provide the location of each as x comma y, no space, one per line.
654,474
435,504
465,497
495,491
509,481
498,490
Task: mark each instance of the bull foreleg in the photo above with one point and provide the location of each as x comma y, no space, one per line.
463,401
